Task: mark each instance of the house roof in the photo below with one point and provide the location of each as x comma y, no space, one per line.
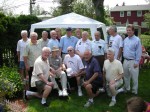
131,8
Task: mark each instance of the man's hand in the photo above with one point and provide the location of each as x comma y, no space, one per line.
53,71
50,84
136,65
85,83
112,82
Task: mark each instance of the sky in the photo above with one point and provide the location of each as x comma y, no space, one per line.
22,6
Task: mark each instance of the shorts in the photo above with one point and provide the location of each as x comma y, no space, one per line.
21,65
40,86
96,86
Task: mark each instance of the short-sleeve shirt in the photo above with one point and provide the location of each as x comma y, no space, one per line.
91,68
32,51
98,47
21,46
43,42
56,62
112,69
52,43
116,42
65,42
40,67
81,46
74,62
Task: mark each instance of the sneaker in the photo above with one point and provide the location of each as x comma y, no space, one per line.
112,103
80,93
101,90
64,92
25,97
133,92
60,93
88,103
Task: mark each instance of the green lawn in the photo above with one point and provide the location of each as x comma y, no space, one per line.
75,103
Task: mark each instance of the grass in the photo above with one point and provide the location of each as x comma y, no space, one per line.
101,102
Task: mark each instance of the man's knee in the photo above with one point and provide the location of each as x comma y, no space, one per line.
89,86
47,87
112,86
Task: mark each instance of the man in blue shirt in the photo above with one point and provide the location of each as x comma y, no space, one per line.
132,53
66,41
93,79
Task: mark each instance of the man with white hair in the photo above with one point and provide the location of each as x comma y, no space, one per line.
115,42
20,49
113,73
74,62
44,40
53,41
40,75
31,52
83,44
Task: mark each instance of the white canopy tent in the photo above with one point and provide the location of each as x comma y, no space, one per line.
72,20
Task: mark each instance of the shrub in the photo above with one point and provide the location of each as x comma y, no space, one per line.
11,82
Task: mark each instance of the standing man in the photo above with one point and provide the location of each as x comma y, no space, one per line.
44,40
74,62
78,33
115,42
58,31
99,49
53,41
66,41
132,53
83,44
20,49
31,53
113,73
93,79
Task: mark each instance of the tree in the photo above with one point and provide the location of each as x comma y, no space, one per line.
37,10
99,10
147,19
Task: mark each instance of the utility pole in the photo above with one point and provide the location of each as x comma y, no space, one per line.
31,8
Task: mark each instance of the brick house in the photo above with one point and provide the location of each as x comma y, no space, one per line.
131,14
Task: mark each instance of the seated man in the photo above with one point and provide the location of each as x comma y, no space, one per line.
93,79
145,55
40,77
113,73
56,66
74,62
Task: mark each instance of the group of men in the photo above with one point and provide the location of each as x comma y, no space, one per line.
95,65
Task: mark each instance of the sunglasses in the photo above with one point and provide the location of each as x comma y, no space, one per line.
69,50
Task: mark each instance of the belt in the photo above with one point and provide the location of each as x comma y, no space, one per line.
64,53
128,59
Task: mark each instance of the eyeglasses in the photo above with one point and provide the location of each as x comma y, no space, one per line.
69,50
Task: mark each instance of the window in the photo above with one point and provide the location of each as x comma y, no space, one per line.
128,13
139,13
121,13
135,23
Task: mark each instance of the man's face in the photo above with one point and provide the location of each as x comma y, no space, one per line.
78,33
84,36
55,53
97,36
69,33
45,35
33,38
110,56
24,35
70,51
87,56
130,32
111,31
54,35
45,54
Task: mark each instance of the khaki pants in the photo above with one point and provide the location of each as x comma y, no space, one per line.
130,73
63,80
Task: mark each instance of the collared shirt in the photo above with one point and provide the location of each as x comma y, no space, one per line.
98,47
43,42
132,48
21,46
65,42
92,67
52,43
32,51
56,62
40,67
116,42
81,45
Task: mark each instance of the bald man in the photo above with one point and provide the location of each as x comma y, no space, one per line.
93,79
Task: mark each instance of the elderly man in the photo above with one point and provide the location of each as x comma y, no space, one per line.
115,42
31,52
66,41
93,79
113,73
132,53
53,41
83,44
74,62
99,49
58,31
41,73
57,73
78,33
20,49
44,40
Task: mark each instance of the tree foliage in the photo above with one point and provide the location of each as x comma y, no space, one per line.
147,19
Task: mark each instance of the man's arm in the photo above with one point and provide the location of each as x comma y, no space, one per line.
93,77
120,53
41,76
26,63
18,54
80,73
